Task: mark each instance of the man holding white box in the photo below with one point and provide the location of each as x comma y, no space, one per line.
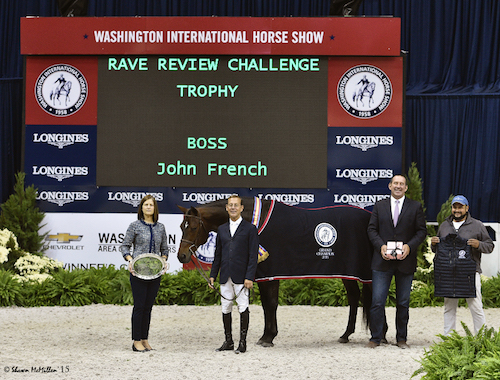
399,223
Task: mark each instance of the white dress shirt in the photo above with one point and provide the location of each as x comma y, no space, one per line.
233,226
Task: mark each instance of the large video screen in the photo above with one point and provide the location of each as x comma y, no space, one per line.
212,121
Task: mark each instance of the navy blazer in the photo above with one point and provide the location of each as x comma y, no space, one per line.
410,230
236,256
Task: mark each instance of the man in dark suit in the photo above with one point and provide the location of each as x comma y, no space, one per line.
236,254
396,229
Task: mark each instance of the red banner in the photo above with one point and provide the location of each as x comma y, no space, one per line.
332,36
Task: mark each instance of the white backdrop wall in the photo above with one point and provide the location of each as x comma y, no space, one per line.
92,240
490,263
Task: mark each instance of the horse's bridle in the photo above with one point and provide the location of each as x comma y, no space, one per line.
193,243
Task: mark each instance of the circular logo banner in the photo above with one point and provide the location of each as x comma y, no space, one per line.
61,90
364,91
325,234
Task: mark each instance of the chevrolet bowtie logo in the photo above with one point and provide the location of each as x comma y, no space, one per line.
64,237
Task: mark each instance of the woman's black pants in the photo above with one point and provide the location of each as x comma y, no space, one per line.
144,293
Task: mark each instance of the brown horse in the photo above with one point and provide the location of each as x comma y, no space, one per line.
291,236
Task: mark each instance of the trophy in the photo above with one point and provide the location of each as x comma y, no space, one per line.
149,266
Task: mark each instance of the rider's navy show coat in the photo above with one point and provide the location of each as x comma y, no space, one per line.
236,256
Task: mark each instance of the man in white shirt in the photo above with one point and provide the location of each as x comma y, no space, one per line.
236,256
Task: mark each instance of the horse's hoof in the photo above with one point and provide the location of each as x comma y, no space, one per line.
343,340
265,344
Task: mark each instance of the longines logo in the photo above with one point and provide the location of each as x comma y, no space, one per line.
364,142
132,198
60,172
61,139
60,198
359,200
61,90
364,175
203,198
364,91
290,199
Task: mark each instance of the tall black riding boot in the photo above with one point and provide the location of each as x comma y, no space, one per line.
244,321
228,343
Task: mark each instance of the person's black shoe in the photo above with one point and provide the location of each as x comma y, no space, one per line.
242,347
226,346
137,350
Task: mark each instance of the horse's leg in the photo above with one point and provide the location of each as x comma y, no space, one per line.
353,295
269,291
367,303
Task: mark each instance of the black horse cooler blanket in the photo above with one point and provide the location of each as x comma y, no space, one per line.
314,243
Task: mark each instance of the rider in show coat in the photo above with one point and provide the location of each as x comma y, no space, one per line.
236,255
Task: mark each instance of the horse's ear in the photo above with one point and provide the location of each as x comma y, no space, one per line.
194,211
183,209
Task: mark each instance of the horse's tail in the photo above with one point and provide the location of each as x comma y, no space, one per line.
367,302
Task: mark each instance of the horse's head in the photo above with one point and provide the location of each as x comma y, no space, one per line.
194,233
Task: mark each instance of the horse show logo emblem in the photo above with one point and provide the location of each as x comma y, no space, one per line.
462,254
206,252
325,234
364,91
61,90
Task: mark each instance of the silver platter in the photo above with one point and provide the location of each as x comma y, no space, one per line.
149,266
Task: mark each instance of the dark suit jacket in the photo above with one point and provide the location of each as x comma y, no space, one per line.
236,256
410,230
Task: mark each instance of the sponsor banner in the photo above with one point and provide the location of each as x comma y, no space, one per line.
60,155
72,199
61,90
92,240
365,142
81,199
366,93
378,36
362,198
361,156
107,199
41,138
354,178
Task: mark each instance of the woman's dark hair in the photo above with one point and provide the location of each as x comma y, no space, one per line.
140,214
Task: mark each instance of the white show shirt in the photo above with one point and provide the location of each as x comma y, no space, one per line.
233,226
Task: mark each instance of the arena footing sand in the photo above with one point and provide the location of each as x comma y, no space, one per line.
94,341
